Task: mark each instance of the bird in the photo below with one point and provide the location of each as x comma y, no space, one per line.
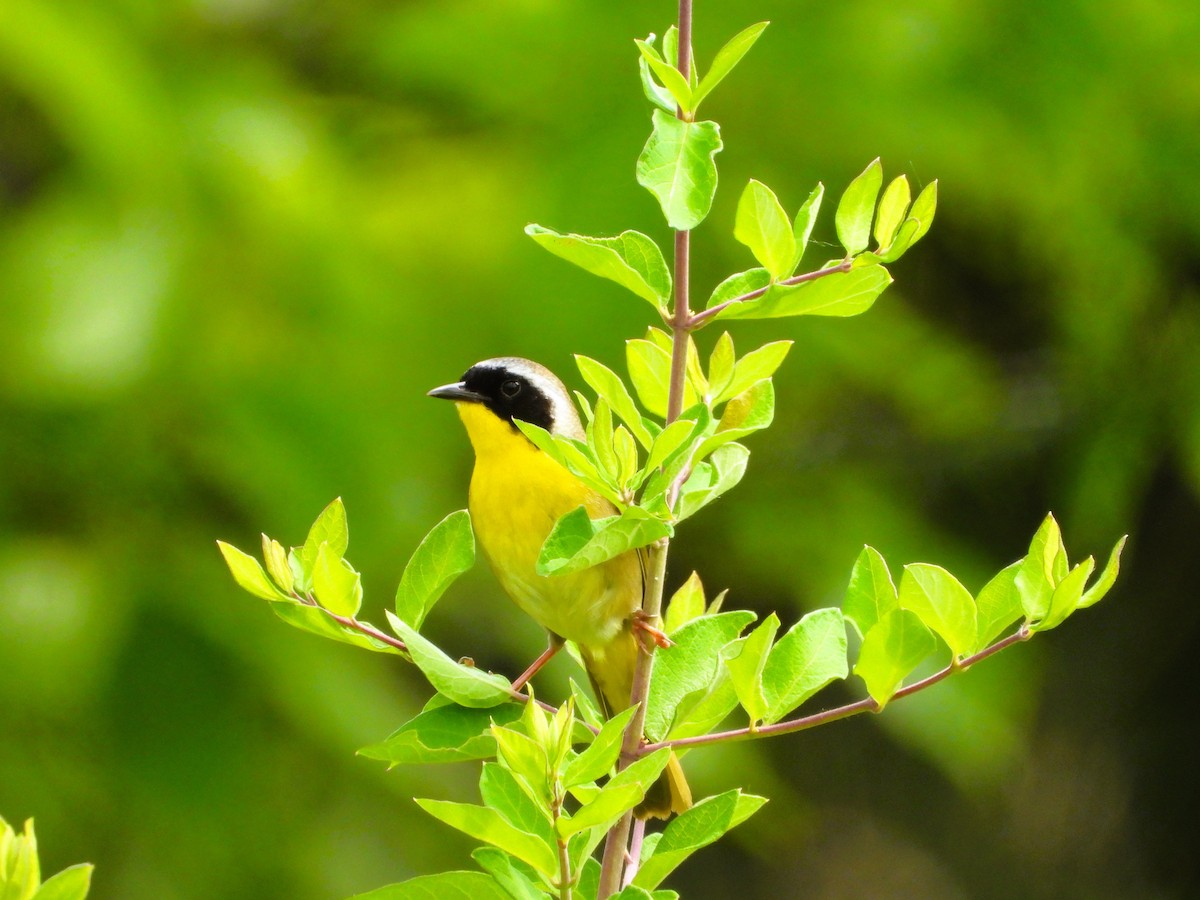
517,494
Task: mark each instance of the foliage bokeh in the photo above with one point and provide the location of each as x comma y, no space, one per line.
239,240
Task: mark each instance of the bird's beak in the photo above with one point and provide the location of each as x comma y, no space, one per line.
456,391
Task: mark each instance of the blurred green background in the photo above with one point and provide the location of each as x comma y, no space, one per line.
239,239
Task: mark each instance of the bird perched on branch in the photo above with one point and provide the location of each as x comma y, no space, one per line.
517,494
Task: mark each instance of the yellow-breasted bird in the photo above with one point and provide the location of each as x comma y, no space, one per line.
517,494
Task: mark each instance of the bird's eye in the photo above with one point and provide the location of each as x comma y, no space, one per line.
510,388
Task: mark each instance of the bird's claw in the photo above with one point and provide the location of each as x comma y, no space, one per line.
641,622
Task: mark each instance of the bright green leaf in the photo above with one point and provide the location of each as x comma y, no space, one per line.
838,294
501,789
650,372
726,59
746,668
1066,596
677,166
856,209
518,882
997,606
891,650
720,367
465,685
445,734
892,207
600,439
1044,566
669,76
607,384
601,755
1107,578
630,259
712,478
578,542
330,528
703,824
763,226
754,367
443,554
337,586
487,825
70,884
871,593
276,559
750,411
621,793
809,656
525,757
442,886
686,604
248,573
802,225
689,665
752,281
942,603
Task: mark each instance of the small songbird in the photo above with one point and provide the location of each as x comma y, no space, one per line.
517,494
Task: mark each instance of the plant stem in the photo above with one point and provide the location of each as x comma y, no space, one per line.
655,558
635,852
867,704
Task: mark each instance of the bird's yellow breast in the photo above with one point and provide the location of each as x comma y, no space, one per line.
517,494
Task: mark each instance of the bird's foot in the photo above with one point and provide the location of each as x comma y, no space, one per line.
546,656
641,622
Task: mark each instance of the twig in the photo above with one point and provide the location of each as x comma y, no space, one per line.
867,704
700,319
635,852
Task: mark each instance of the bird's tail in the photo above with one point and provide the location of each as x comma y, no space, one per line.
670,794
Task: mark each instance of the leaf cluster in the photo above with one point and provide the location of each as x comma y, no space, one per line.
21,873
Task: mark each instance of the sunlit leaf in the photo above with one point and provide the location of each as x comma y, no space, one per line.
601,755
892,208
809,656
1044,566
686,603
607,384
621,793
337,586
762,225
1066,596
465,685
318,621
837,294
630,259
579,542
753,368
997,606
443,554
871,593
518,881
677,166
856,209
330,528
1108,577
487,825
806,218
726,59
942,603
248,573
746,668
669,76
891,650
449,733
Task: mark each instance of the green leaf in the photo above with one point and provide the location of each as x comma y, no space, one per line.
443,886
838,294
655,92
500,789
671,440
891,650
753,368
686,604
601,755
689,665
677,166
584,705
630,259
524,756
488,825
762,225
942,603
578,542
892,207
621,793
739,285
1066,596
443,554
808,657
330,528
670,77
997,606
806,218
70,884
871,593
750,411
726,59
337,586
278,566
509,874
703,710
248,573
1044,566
915,225
720,473
746,668
446,734
465,685
600,439
316,620
721,367
1107,578
703,824
856,209
573,455
650,371
607,384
